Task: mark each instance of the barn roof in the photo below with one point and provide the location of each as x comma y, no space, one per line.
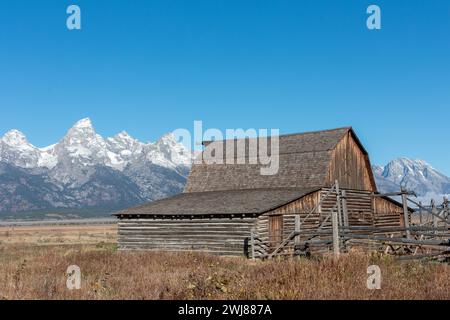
254,201
224,189
303,163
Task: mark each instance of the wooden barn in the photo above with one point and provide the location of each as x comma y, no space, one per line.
224,206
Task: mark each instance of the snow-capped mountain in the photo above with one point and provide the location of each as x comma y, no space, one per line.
86,170
15,149
415,175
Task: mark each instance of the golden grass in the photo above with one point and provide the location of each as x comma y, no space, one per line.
29,272
59,234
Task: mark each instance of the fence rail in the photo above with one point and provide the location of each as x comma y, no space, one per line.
427,238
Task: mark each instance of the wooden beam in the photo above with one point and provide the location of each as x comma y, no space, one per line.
335,223
398,240
344,208
393,194
338,202
297,228
252,242
406,213
435,213
446,208
420,213
394,229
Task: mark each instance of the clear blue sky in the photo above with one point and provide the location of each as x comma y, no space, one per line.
153,66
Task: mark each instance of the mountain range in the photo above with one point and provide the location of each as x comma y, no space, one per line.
86,171
415,175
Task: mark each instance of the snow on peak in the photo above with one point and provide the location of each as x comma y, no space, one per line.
81,135
48,157
169,138
15,138
171,141
123,138
416,175
82,129
402,167
15,149
168,152
83,146
83,123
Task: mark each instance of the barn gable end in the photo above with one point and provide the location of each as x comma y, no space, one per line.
350,165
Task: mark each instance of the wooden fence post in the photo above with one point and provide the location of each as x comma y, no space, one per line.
446,208
344,208
420,213
338,202
406,213
434,210
252,243
335,223
297,231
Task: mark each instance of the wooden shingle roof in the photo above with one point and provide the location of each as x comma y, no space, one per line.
224,189
255,201
304,160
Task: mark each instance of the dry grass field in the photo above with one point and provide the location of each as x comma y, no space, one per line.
42,235
33,264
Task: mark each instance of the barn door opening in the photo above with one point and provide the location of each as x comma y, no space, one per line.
275,231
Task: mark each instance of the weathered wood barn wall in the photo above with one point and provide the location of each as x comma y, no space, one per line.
222,203
350,165
221,236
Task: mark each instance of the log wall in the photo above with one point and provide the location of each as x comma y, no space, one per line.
359,207
222,236
302,206
387,214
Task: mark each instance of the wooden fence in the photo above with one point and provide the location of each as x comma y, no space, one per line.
339,231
